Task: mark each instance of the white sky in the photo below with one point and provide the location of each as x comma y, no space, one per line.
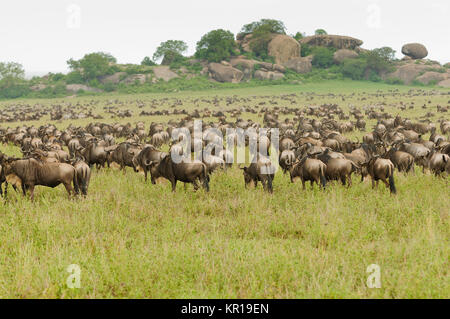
43,35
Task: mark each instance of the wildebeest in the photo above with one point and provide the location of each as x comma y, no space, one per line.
189,172
403,161
380,168
33,172
437,162
287,158
82,176
338,168
309,169
261,169
124,154
145,157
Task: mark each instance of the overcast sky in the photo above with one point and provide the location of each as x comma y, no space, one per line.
43,35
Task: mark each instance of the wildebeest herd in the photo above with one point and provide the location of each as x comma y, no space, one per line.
312,147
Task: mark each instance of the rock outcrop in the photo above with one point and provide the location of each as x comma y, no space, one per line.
342,54
164,72
409,71
283,48
430,76
299,64
333,41
114,78
74,88
223,73
268,75
415,50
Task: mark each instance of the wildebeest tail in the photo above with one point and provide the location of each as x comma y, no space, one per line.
76,186
323,180
410,166
390,171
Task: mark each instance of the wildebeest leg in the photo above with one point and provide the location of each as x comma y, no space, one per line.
31,192
349,176
264,184
385,182
145,174
24,189
77,189
373,183
174,184
69,188
343,180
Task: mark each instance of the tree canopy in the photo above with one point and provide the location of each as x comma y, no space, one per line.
93,65
147,61
266,25
170,50
216,46
320,32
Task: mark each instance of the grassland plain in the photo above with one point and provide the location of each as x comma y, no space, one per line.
139,240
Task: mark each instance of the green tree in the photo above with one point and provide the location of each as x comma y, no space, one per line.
262,31
379,60
298,36
12,83
386,53
216,46
354,68
169,51
11,70
93,65
320,32
147,61
323,57
270,25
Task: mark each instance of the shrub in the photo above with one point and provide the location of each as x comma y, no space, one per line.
323,57
353,68
320,32
305,50
147,61
298,36
394,81
74,77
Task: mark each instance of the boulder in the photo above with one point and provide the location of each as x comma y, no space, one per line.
114,78
445,83
415,50
429,76
268,75
164,72
243,63
334,41
131,79
38,87
244,40
223,73
283,48
342,54
74,88
409,71
299,65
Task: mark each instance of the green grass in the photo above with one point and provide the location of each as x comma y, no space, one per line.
133,239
